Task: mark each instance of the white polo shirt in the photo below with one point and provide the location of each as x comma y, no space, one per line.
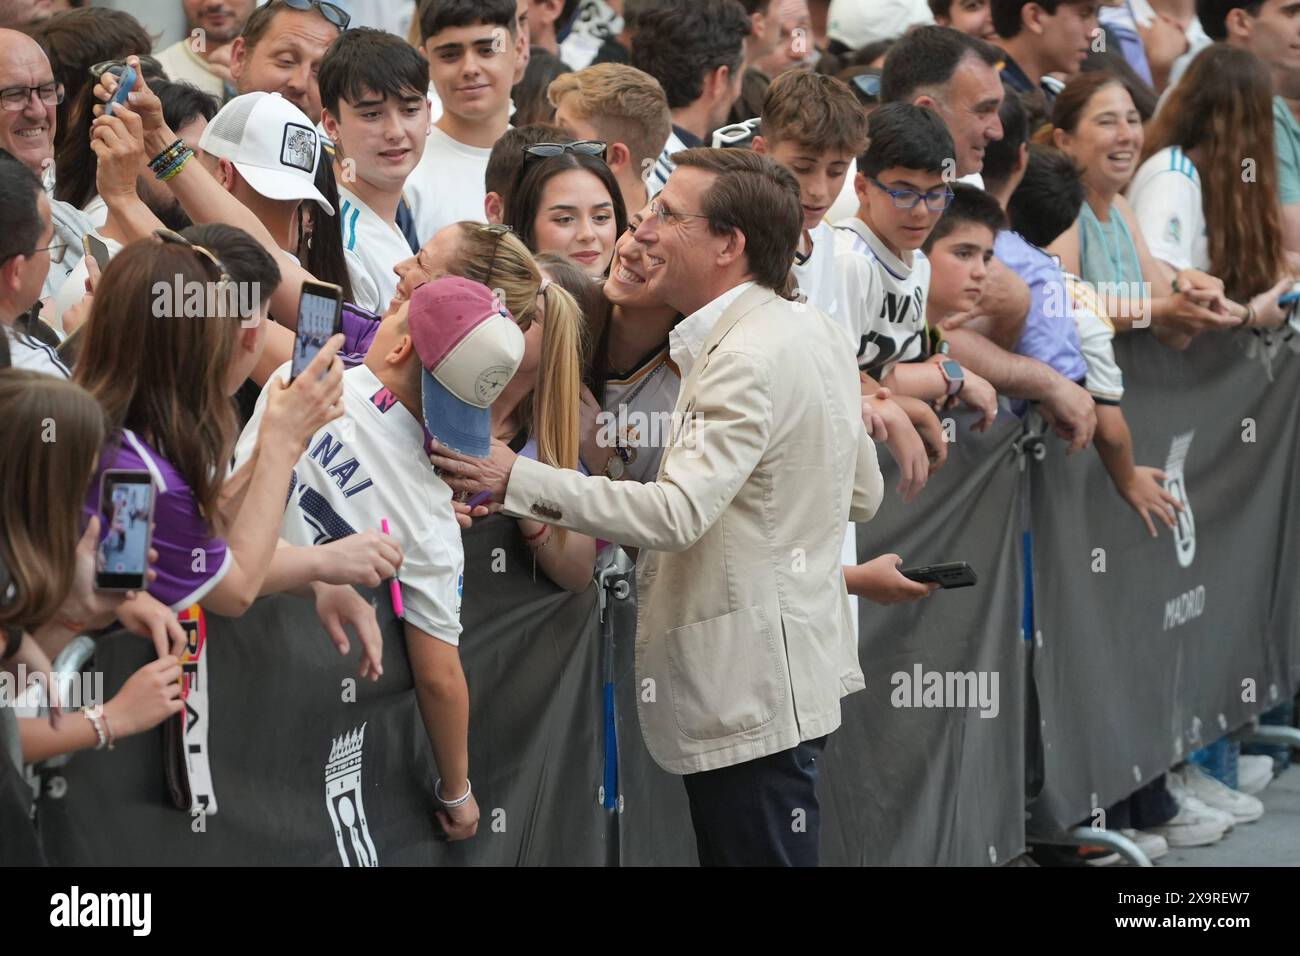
375,245
364,467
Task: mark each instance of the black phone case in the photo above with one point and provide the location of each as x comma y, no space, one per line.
947,576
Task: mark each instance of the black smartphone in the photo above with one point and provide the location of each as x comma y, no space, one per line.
126,499
320,314
97,250
956,575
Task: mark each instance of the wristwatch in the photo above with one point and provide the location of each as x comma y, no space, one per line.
617,464
953,375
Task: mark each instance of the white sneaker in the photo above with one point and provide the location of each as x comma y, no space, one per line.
1243,807
1195,824
1254,772
1152,844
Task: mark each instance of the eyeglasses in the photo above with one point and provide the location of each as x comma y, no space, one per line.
15,98
334,14
868,86
56,251
667,217
148,65
587,147
176,239
936,200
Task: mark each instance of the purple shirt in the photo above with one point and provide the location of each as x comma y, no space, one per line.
191,560
1050,334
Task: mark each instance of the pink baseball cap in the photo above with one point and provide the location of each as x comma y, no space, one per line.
470,348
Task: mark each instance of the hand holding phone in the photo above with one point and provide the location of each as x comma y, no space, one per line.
126,506
96,249
125,81
955,575
320,313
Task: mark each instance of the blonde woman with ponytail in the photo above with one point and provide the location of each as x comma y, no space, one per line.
537,414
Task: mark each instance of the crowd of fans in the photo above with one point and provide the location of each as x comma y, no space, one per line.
991,191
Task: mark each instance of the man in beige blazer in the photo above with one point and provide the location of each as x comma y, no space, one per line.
744,644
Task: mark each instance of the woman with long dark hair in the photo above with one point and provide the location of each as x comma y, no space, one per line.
1206,195
568,203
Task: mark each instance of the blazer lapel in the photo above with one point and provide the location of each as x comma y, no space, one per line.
751,299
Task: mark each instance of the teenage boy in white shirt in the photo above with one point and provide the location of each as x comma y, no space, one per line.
432,372
902,192
374,109
813,126
472,49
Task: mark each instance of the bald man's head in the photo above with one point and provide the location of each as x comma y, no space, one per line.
28,133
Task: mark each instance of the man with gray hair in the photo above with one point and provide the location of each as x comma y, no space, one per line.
29,97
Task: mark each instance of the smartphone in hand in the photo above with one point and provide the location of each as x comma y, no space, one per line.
956,575
125,81
320,316
126,503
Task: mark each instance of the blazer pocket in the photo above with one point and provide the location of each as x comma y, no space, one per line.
727,675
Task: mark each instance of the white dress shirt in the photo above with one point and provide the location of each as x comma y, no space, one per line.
687,336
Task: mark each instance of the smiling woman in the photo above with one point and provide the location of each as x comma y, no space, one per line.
569,204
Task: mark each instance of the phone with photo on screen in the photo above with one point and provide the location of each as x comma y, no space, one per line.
126,500
320,313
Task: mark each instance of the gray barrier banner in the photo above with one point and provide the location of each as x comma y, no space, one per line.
1149,649
310,769
928,765
305,775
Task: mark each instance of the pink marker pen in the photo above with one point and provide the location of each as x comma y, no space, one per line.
394,587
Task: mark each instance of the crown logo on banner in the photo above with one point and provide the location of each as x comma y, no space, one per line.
345,748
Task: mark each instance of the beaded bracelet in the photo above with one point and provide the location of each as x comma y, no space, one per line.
166,157
176,166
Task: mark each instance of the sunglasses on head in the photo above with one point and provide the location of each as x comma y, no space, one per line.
176,239
334,14
587,147
151,68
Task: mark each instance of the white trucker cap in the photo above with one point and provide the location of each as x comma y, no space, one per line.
271,142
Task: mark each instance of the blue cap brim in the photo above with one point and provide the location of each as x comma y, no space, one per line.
462,427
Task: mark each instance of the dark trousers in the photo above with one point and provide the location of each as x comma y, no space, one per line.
761,812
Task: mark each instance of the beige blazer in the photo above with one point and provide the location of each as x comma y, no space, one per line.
744,644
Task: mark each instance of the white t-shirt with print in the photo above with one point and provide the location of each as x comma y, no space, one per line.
881,299
641,408
447,185
369,465
1166,199
375,245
